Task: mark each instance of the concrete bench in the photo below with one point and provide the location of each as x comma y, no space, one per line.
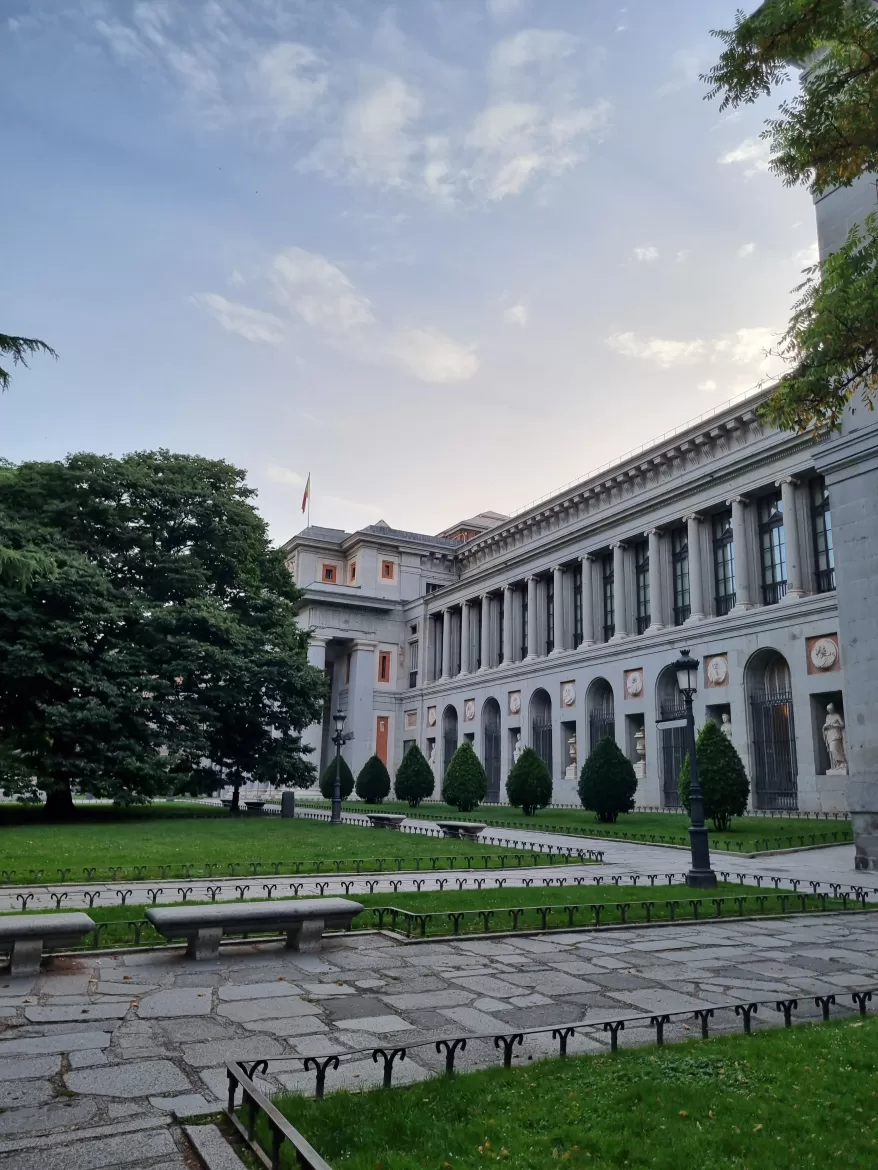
466,829
386,820
303,921
23,937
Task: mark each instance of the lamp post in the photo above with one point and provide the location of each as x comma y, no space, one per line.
338,739
700,875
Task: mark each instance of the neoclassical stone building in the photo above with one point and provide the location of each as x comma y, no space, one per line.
560,624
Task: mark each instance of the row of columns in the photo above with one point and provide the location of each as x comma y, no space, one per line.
697,601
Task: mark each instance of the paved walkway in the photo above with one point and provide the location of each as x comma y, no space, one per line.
98,1052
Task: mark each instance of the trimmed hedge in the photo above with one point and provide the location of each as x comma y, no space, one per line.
607,783
327,780
414,778
529,785
465,785
373,782
723,778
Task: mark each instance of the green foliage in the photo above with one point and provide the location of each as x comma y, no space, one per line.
159,649
607,783
414,778
465,784
529,785
20,349
373,782
724,783
327,780
824,137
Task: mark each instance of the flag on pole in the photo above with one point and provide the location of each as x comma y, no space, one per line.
307,496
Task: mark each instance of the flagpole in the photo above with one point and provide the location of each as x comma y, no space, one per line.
309,499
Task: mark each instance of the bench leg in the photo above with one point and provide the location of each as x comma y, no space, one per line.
204,944
25,957
307,937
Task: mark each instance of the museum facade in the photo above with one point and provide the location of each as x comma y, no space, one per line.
560,625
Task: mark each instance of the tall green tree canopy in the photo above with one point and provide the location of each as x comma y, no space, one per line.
163,648
824,137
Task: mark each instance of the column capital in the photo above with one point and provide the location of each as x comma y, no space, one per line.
742,500
557,568
696,516
618,544
790,479
654,531
364,644
590,557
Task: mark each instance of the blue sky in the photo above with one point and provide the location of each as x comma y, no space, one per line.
446,255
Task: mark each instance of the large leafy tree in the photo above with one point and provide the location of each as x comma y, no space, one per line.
163,649
825,137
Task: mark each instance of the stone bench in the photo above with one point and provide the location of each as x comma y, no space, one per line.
469,830
23,937
386,820
303,921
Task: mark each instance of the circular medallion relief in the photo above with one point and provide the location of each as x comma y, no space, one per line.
634,683
515,703
568,694
717,671
824,653
469,710
431,716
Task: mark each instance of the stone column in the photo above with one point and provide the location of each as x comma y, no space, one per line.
795,588
313,735
743,592
425,670
531,631
696,579
620,619
486,631
656,609
465,665
446,643
507,624
361,719
558,590
587,602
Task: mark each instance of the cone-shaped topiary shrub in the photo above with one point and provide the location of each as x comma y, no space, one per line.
607,782
414,778
327,780
465,784
373,782
529,785
723,778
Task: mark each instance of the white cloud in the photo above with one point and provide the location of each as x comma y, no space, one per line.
682,255
708,385
316,293
664,353
501,10
685,69
753,152
252,324
516,314
745,250
292,79
646,254
744,347
807,256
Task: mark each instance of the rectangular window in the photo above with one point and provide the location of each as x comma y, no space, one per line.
641,571
680,563
724,562
328,574
524,623
384,666
387,570
550,614
609,597
407,745
413,664
347,669
432,586
821,524
352,572
774,549
577,605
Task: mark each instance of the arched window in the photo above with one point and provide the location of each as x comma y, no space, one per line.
541,727
774,770
449,736
491,747
672,740
600,706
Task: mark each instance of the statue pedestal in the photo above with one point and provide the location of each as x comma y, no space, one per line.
640,770
570,772
836,771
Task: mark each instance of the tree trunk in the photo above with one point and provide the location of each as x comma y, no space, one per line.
59,803
236,799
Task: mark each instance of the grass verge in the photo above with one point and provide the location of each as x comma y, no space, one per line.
779,1099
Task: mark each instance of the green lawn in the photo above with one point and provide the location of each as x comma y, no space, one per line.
213,844
776,1100
747,834
472,911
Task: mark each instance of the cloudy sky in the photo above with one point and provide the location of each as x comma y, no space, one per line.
446,255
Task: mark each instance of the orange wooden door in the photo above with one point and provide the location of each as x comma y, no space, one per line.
381,739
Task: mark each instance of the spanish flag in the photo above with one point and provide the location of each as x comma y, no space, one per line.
307,494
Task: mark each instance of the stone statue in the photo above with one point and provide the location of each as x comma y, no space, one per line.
640,748
570,771
518,749
432,760
833,737
726,725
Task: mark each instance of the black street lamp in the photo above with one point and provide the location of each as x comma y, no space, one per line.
341,737
700,875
